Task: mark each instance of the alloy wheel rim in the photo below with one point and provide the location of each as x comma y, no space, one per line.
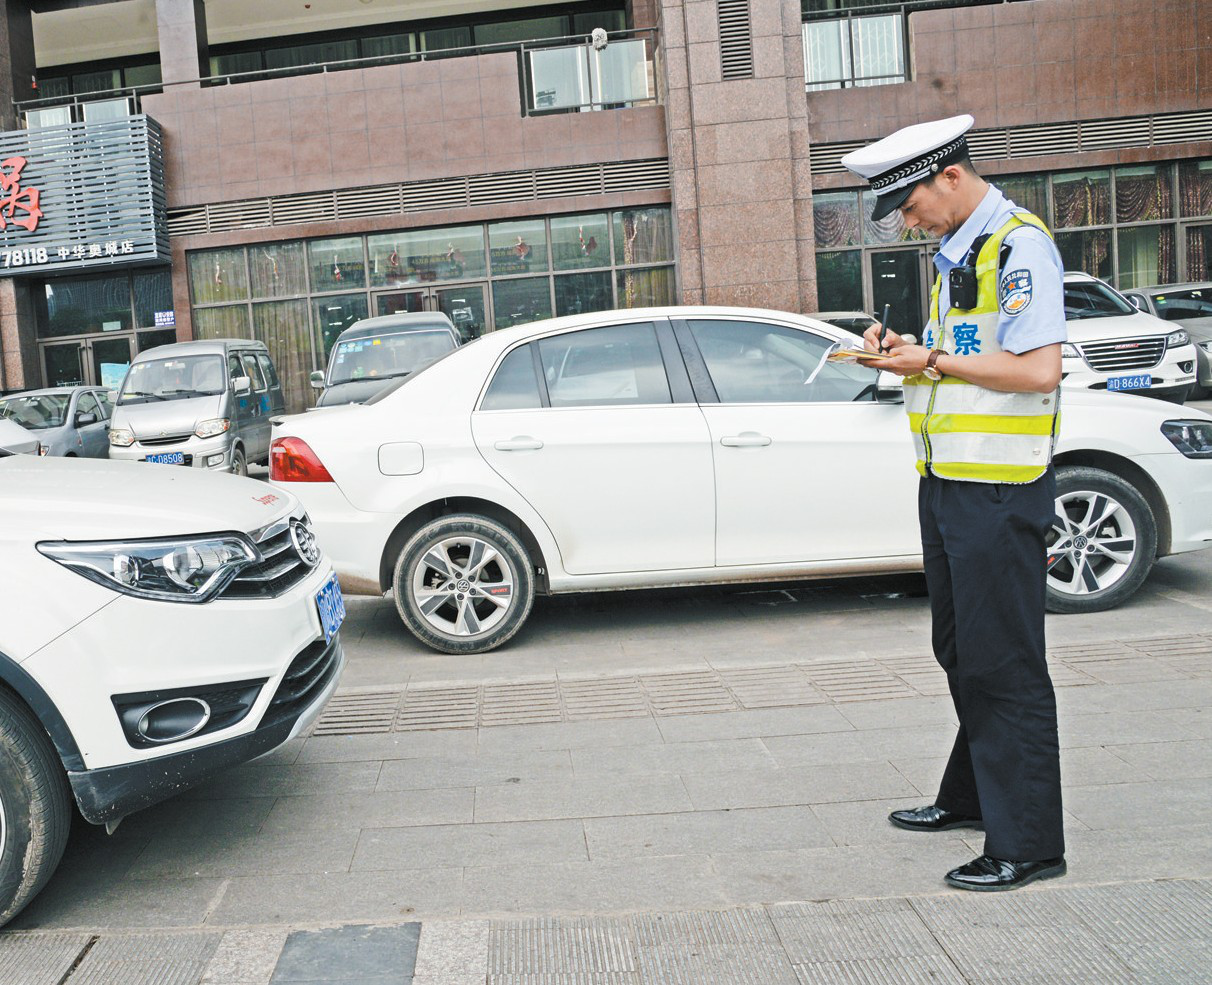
463,586
1092,544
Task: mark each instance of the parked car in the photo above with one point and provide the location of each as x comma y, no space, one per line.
201,404
681,446
372,352
1113,346
854,322
156,626
1188,305
16,440
69,421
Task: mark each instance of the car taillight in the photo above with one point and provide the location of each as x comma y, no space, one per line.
292,460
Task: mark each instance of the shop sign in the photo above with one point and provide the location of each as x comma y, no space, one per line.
166,319
82,196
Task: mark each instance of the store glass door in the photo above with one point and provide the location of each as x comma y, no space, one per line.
897,279
464,305
63,364
96,361
110,358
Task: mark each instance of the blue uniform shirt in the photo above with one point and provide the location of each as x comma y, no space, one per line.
1031,311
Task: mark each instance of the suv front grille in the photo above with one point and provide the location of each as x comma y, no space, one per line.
171,439
308,674
1114,355
280,570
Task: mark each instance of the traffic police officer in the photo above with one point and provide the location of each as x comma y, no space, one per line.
983,401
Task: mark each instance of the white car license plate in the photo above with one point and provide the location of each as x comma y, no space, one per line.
168,458
1139,381
332,608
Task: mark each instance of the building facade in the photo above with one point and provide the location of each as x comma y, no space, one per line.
277,172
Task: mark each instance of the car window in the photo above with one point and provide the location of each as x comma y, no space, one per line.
105,400
757,363
253,371
1093,299
172,379
515,386
87,405
604,366
267,368
234,368
384,356
1192,303
43,410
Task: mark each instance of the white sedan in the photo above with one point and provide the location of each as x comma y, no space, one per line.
679,446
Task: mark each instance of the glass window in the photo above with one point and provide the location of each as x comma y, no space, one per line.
839,280
252,370
1191,302
230,322
388,45
579,241
172,378
54,88
576,294
559,77
36,412
835,218
514,387
160,336
1081,198
336,264
643,236
529,29
756,362
525,299
620,73
143,75
154,299
235,63
218,275
1090,299
110,78
857,51
104,110
1143,193
518,247
600,366
267,369
81,305
1146,256
446,37
1088,252
87,405
105,401
890,229
311,54
277,270
335,314
645,288
423,255
391,354
282,326
1027,191
1195,188
1199,252
56,116
608,20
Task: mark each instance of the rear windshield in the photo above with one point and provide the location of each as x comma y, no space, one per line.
1192,302
173,379
1091,299
384,356
45,410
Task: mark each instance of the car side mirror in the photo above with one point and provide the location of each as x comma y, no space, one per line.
317,379
241,385
1137,303
85,419
889,389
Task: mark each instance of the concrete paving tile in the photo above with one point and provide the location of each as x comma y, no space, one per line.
473,770
288,781
129,903
674,757
753,724
585,887
387,746
869,745
245,957
452,952
705,832
852,930
1196,721
597,797
809,785
1177,852
866,822
899,712
882,971
339,897
568,735
1150,696
311,850
1117,728
1150,805
181,818
351,953
39,959
1160,760
1136,913
390,809
470,844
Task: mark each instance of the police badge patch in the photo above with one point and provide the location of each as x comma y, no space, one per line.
1015,292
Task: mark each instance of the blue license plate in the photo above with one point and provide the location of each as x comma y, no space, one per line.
1139,381
332,608
168,458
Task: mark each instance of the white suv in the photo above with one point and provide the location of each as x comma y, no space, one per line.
156,625
1113,346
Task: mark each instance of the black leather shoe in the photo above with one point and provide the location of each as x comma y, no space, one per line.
992,875
933,818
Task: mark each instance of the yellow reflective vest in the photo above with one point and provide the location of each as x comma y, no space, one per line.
968,432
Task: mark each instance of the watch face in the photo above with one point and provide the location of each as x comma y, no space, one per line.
931,373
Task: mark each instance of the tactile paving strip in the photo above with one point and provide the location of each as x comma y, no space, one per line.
915,970
548,945
146,959
852,930
39,959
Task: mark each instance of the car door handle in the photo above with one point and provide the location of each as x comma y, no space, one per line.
746,439
521,442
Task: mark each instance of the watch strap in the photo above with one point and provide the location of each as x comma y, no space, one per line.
933,358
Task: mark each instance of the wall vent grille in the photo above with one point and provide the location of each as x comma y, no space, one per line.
422,196
736,39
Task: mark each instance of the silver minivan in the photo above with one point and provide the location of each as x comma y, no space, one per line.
202,404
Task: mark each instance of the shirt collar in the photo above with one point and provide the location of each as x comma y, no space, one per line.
954,248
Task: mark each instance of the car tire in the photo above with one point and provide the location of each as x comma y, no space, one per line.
450,600
239,464
35,807
1103,543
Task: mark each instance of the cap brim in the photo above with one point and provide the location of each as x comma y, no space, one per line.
885,205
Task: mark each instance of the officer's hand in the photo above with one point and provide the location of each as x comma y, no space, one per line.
905,360
871,339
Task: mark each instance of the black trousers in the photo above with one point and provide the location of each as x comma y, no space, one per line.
984,553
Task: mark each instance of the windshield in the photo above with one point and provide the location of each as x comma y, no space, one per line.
45,410
173,379
1093,299
384,356
1192,302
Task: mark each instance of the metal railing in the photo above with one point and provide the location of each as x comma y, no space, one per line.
863,8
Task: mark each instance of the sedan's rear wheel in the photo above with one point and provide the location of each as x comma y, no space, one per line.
1103,541
464,584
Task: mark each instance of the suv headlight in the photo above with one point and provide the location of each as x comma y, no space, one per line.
1176,338
172,570
1070,351
208,429
1192,438
121,437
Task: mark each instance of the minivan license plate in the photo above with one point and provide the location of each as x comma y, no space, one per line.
332,608
1139,381
168,458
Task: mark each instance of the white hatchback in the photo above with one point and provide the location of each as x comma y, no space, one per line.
156,625
680,446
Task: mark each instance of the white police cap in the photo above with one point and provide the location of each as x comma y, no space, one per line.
902,159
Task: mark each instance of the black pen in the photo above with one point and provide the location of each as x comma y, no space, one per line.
884,324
